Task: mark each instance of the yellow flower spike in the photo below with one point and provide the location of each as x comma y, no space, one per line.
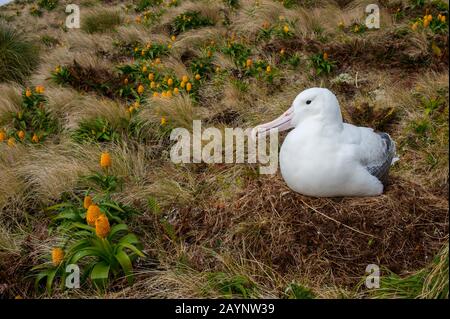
151,76
188,87
157,61
136,104
414,26
325,56
268,69
185,78
144,69
136,49
102,227
176,91
169,93
105,160
430,17
152,85
182,84
93,212
197,77
286,29
163,120
443,18
57,256
341,24
28,93
248,63
173,38
40,89
2,136
142,52
35,138
218,69
426,23
58,69
282,51
209,53
11,141
169,82
169,46
21,135
125,81
130,109
163,94
140,89
87,201
155,94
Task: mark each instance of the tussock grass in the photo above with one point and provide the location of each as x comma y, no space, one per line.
429,283
10,101
18,55
208,9
101,21
178,111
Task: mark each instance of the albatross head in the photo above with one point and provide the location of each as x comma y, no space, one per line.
314,103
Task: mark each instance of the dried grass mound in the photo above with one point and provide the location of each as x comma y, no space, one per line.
337,238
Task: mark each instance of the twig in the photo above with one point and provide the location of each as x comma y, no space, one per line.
338,222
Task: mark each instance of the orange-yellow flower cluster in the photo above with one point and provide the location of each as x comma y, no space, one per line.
40,89
105,160
102,227
92,214
426,20
57,256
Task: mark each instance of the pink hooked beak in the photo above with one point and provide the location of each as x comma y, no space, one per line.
282,123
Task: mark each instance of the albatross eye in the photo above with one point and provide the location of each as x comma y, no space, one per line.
308,102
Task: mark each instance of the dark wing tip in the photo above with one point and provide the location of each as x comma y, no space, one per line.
382,171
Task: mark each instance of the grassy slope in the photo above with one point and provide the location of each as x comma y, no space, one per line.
222,228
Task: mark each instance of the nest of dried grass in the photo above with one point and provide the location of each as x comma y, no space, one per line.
335,238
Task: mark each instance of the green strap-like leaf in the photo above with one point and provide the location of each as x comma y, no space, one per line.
117,228
129,239
84,253
82,226
100,272
39,277
58,206
67,214
126,265
113,206
132,248
50,278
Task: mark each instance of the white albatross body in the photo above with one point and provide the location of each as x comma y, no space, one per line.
324,157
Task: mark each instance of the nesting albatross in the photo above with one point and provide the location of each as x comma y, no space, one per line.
324,157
